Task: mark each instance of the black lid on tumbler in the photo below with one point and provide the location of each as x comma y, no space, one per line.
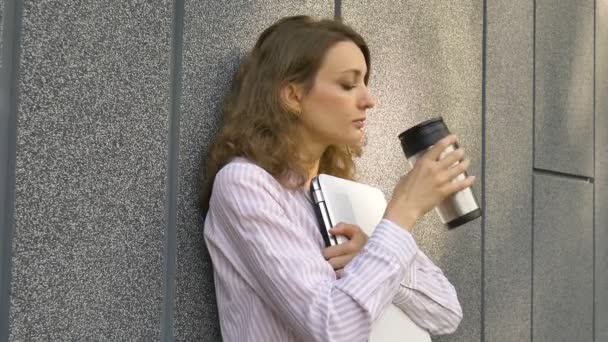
423,135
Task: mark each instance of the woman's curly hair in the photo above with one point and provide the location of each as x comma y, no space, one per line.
255,122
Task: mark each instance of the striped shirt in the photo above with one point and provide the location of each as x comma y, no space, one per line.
272,282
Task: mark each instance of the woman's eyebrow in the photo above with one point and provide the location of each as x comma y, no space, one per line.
356,71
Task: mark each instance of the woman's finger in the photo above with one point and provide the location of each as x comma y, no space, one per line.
451,158
356,240
454,187
344,229
340,261
457,170
435,152
332,251
338,250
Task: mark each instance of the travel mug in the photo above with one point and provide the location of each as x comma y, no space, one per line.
458,208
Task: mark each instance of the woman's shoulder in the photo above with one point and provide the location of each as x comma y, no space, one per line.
243,173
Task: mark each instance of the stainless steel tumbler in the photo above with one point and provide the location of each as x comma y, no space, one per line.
458,208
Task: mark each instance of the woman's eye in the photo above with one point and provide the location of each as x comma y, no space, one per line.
348,87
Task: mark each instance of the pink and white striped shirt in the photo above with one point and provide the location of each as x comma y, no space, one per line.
273,284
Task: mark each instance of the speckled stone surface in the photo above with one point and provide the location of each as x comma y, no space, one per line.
601,172
426,62
564,86
508,160
216,34
1,30
563,259
91,171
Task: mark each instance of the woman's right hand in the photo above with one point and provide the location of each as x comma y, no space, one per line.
428,184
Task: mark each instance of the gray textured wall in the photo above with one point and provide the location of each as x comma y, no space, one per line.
1,27
564,86
563,259
601,171
118,103
507,251
563,247
90,171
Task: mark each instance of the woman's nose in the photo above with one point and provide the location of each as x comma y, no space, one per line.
367,101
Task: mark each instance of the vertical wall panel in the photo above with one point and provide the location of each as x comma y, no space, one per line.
8,73
1,29
508,138
563,259
216,34
564,86
90,174
601,172
426,62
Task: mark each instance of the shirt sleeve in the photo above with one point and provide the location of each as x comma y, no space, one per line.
285,267
428,297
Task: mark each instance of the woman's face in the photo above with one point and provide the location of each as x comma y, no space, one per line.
333,112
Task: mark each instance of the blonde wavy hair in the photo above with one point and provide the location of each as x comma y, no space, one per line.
257,125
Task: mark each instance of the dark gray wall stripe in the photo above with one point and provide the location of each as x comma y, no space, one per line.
338,8
8,140
484,37
532,173
172,171
594,163
562,174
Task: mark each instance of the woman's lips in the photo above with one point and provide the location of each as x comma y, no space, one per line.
360,124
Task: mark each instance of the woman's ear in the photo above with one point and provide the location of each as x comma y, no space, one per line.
291,96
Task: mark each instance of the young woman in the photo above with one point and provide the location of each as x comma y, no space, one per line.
298,108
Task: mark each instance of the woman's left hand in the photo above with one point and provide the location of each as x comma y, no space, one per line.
340,255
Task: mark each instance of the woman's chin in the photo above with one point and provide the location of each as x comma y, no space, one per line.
359,137
355,139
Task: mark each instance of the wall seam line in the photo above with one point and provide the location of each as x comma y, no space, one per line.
483,164
172,183
593,326
337,9
11,51
563,175
532,171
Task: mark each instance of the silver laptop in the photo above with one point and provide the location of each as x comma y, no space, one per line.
339,200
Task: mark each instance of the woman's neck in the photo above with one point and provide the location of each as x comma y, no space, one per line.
311,149
312,171
311,159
